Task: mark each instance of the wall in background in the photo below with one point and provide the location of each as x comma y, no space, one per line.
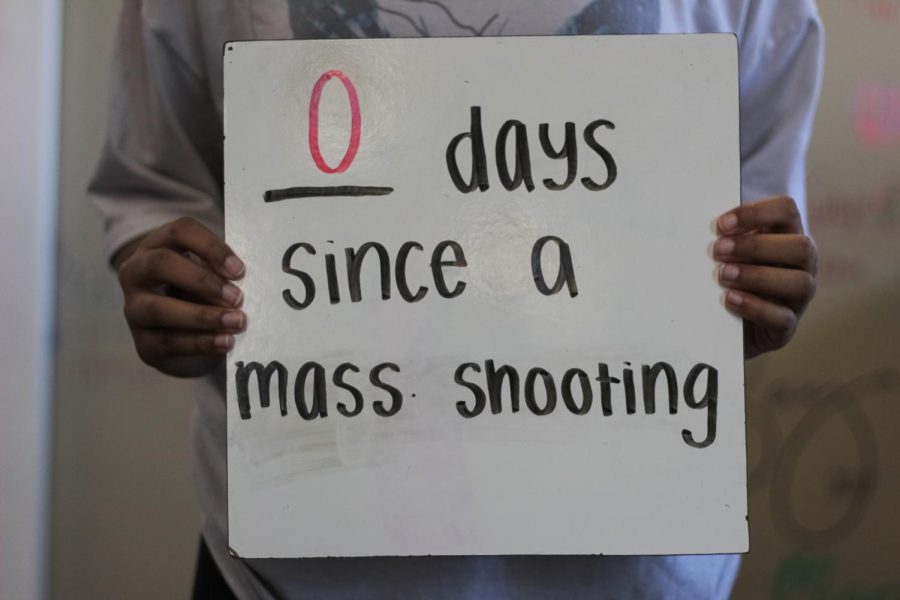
29,98
823,414
124,517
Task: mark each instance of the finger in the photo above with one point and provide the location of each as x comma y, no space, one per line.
152,268
188,234
776,318
779,215
792,285
789,250
155,345
162,312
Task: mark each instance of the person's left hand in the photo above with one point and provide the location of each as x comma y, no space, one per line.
768,267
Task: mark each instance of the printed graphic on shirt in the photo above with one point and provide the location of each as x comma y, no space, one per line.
324,19
608,16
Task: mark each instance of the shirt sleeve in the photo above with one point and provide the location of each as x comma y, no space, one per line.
162,157
780,93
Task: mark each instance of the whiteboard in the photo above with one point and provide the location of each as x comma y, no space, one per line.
589,284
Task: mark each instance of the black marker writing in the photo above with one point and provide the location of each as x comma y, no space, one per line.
540,392
446,255
565,274
478,177
313,375
523,157
569,151
325,192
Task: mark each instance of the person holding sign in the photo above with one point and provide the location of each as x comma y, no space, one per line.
159,189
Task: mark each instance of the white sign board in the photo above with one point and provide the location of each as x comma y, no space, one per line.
483,317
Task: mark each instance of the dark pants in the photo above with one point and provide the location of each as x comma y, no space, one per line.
208,581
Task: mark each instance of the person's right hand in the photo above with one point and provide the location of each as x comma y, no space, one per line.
180,304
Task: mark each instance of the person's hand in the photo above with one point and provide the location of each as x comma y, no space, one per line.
768,268
181,307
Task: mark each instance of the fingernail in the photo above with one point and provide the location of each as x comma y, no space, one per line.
724,246
234,266
728,222
734,298
233,320
224,341
730,272
232,294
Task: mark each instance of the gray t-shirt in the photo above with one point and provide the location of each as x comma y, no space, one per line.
163,160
